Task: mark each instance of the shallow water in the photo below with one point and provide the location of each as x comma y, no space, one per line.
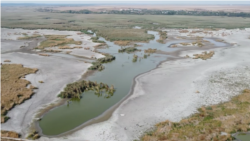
119,73
243,137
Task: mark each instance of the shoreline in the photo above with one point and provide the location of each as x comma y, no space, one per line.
127,128
108,113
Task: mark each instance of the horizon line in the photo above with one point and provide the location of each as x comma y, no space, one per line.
125,3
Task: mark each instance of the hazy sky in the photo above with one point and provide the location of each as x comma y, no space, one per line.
186,2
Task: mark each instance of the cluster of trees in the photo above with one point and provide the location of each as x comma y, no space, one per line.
154,12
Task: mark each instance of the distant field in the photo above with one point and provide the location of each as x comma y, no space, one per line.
225,8
27,17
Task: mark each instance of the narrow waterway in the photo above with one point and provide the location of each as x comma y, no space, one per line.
119,73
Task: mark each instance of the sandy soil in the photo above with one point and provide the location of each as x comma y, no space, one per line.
161,7
169,92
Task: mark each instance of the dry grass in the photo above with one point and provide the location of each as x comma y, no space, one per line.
7,61
207,125
29,37
204,55
163,36
57,40
43,54
65,47
150,50
9,134
68,52
14,90
122,43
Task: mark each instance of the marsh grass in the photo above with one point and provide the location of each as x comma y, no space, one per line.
150,50
122,43
204,55
128,50
29,37
135,57
57,40
34,135
74,90
98,64
96,40
208,123
10,134
14,90
163,36
125,34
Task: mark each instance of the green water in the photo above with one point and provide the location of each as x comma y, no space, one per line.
243,137
119,73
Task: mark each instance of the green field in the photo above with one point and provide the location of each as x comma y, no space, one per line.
28,17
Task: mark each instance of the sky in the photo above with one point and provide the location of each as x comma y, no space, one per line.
183,2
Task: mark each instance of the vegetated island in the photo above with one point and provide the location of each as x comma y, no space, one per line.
98,64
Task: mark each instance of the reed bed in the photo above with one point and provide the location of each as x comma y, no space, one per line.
125,34
163,36
74,90
204,55
150,50
14,90
98,64
57,40
29,37
34,135
128,50
10,134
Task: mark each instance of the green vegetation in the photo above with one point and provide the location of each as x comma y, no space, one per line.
208,123
124,34
163,36
204,55
74,90
86,32
95,39
135,58
128,50
34,135
150,50
114,27
98,64
29,37
106,59
57,40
